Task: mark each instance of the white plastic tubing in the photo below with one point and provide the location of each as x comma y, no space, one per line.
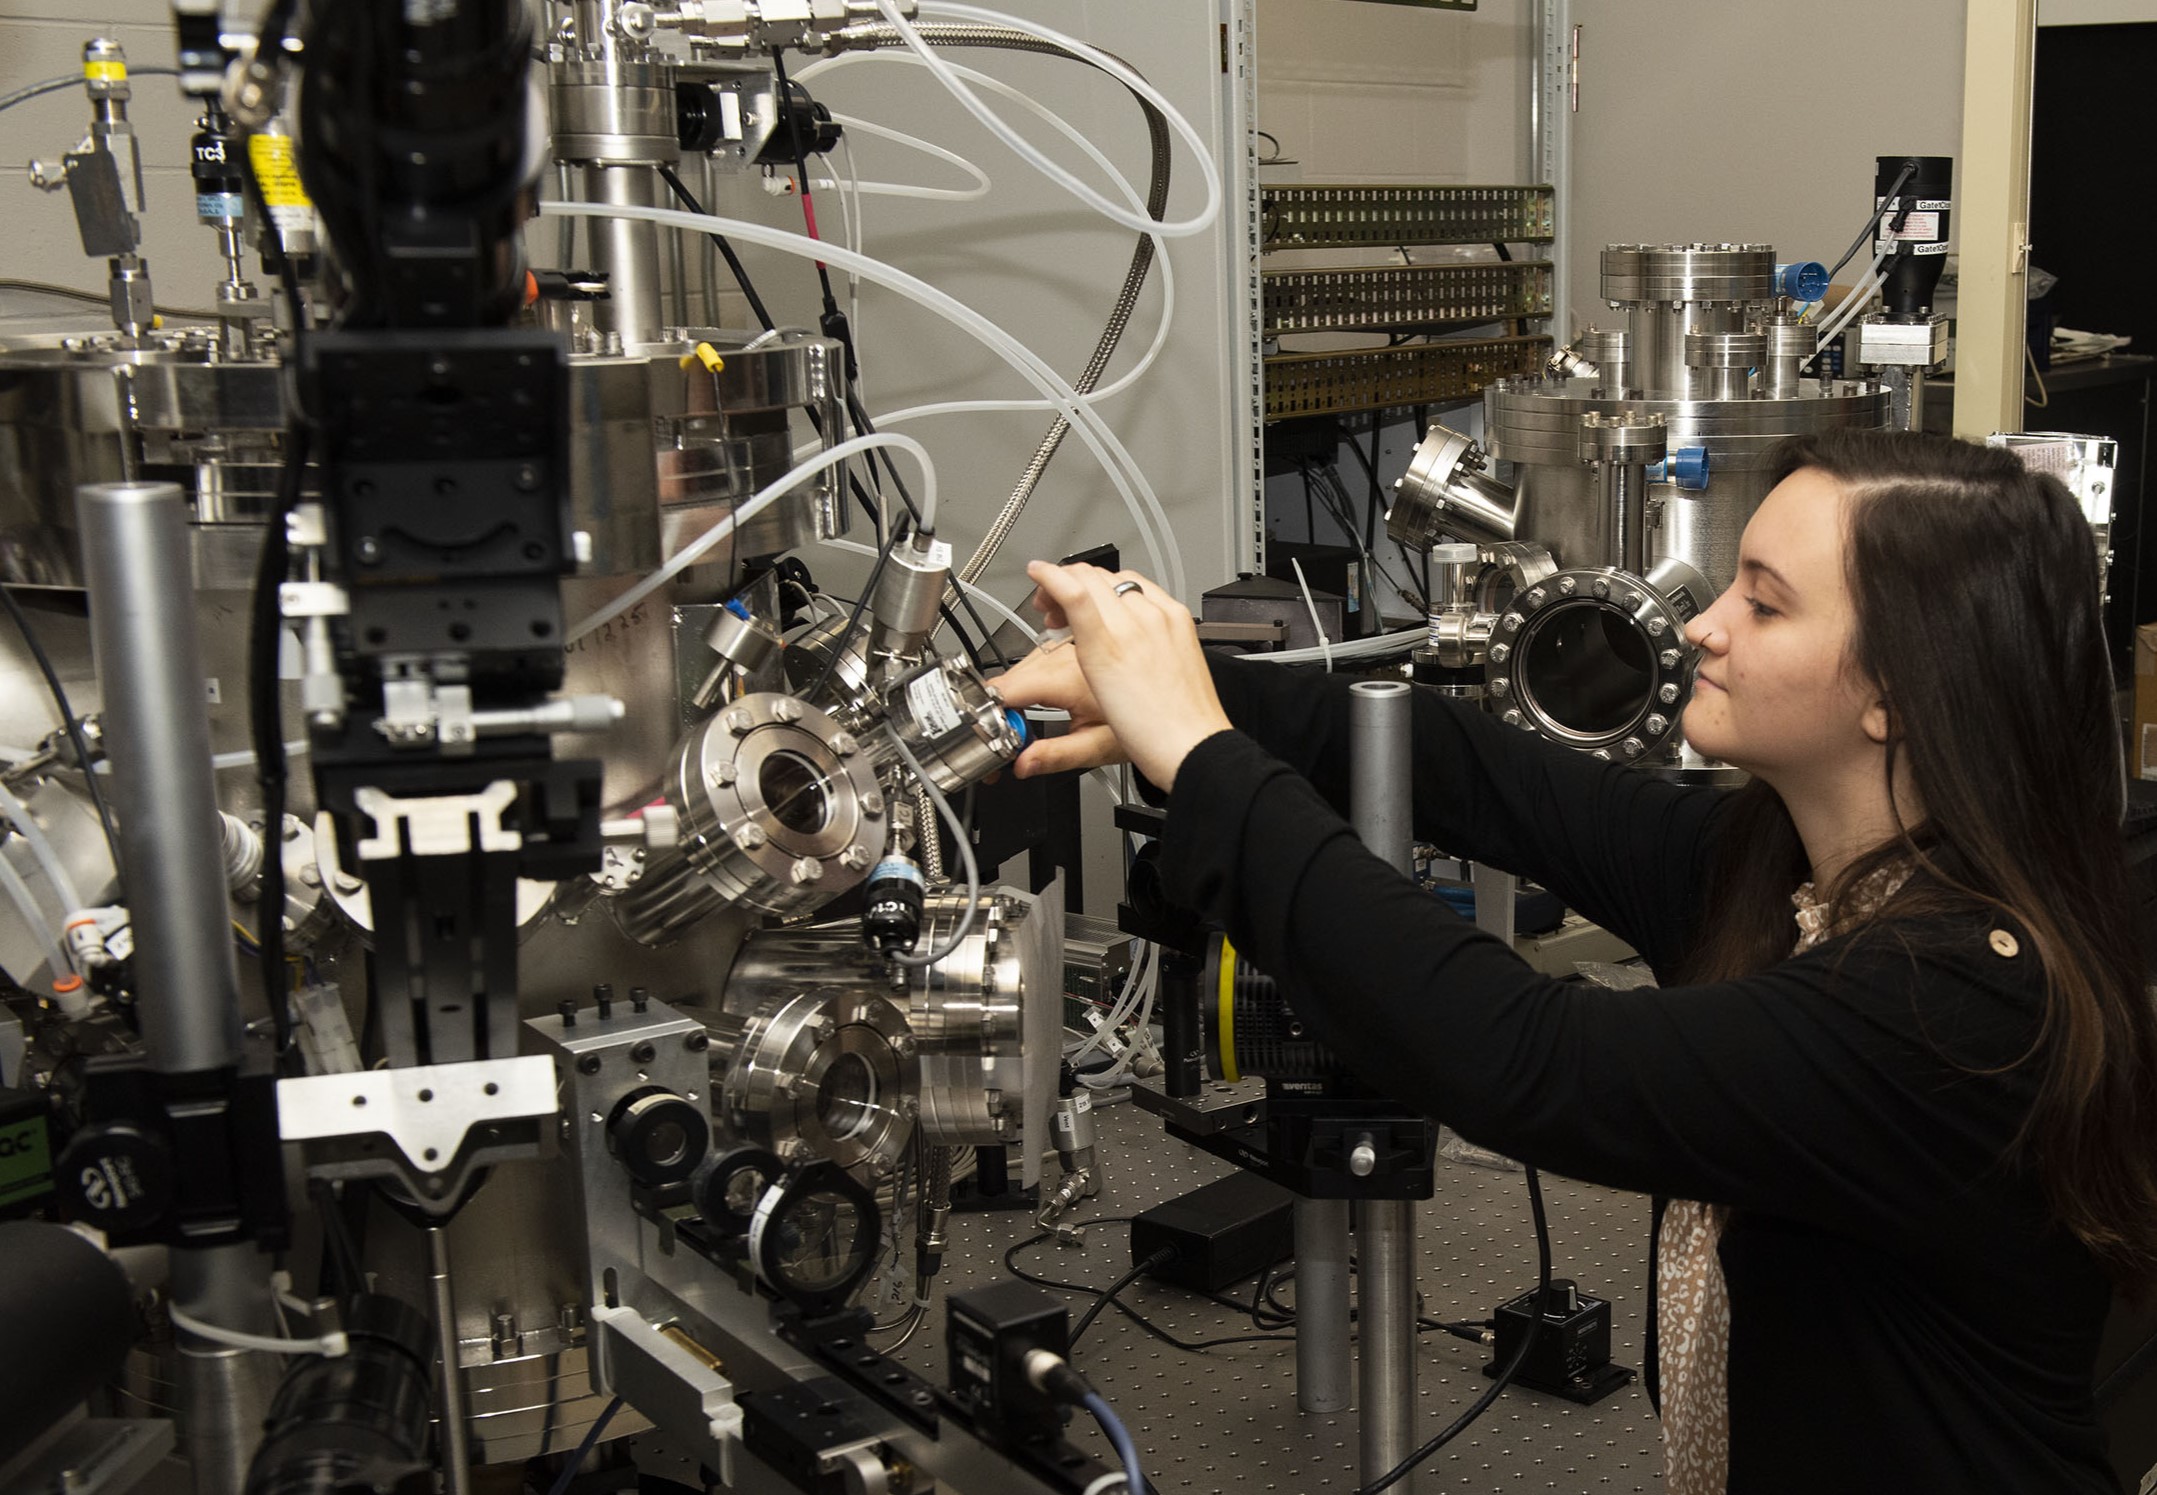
1123,471
1162,261
694,551
1137,221
979,190
63,886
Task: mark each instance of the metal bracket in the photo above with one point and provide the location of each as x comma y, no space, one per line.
443,1121
673,1381
436,827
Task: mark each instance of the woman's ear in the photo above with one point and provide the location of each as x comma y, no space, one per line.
1878,721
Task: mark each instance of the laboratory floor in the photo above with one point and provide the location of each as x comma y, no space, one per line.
1225,1420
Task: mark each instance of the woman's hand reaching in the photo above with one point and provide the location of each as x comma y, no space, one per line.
1133,677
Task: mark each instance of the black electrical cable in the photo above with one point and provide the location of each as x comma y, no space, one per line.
1155,1262
801,171
1505,1376
70,723
1872,224
726,251
1122,1307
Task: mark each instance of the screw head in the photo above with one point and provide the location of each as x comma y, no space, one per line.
1657,627
1668,659
1537,596
644,1053
843,745
1601,588
1632,747
1510,622
697,1042
872,804
587,1064
311,875
750,837
855,858
1668,694
787,709
740,722
1567,586
1501,687
1500,653
806,870
1511,718
905,1045
719,775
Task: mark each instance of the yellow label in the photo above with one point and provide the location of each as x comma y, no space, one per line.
105,72
276,172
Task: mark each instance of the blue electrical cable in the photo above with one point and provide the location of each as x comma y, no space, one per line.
591,1436
1125,1448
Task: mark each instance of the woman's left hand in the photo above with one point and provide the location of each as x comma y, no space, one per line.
1138,649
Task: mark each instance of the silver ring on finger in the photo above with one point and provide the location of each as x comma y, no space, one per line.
1122,587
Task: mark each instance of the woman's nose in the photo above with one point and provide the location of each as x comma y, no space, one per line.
1706,630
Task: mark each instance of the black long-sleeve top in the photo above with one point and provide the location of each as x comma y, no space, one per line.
1905,1316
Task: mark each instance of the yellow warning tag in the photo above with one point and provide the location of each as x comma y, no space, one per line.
105,72
277,172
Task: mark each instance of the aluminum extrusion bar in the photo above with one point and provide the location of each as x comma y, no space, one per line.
1392,378
1377,298
1343,215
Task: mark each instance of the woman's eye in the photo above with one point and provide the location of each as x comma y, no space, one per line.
1760,609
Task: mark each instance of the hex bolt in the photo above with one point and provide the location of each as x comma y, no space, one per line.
1657,627
1668,659
644,1053
750,837
721,775
1567,586
1668,694
1601,587
1633,747
1657,724
1510,622
1537,596
855,858
587,1064
786,709
1500,653
872,804
806,870
1511,718
843,745
1501,687
740,722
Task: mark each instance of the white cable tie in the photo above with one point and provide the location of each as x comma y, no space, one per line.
331,1345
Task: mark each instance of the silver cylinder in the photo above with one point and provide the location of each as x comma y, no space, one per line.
627,252
457,1453
157,729
1612,352
1790,344
1386,1370
1378,769
222,1395
1322,1379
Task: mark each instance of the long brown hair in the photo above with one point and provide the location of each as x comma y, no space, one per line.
1975,587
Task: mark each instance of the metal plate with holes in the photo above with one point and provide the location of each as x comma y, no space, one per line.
444,1119
1369,298
1224,1421
1390,378
1339,215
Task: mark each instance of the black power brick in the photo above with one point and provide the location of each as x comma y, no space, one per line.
1220,1233
1571,1353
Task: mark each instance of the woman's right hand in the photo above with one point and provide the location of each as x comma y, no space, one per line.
1050,676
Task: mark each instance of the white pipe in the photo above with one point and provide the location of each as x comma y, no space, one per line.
975,193
1131,484
63,886
1325,645
41,923
689,554
945,74
1853,306
1076,137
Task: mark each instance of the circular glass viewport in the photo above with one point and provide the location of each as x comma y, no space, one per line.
796,792
1587,669
846,1097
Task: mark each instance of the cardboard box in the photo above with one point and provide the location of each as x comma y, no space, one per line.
2142,744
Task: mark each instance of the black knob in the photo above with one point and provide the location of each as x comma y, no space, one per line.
659,1136
117,1177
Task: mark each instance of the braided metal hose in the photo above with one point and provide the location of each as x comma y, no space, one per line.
1134,280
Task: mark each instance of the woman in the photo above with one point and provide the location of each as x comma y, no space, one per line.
1909,1136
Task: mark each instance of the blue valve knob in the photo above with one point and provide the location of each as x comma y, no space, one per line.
1687,467
1806,280
739,609
1018,725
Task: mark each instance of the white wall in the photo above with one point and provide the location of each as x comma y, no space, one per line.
42,39
1705,120
2094,12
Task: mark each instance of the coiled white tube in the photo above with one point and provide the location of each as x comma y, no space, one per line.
1137,494
770,494
1137,222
